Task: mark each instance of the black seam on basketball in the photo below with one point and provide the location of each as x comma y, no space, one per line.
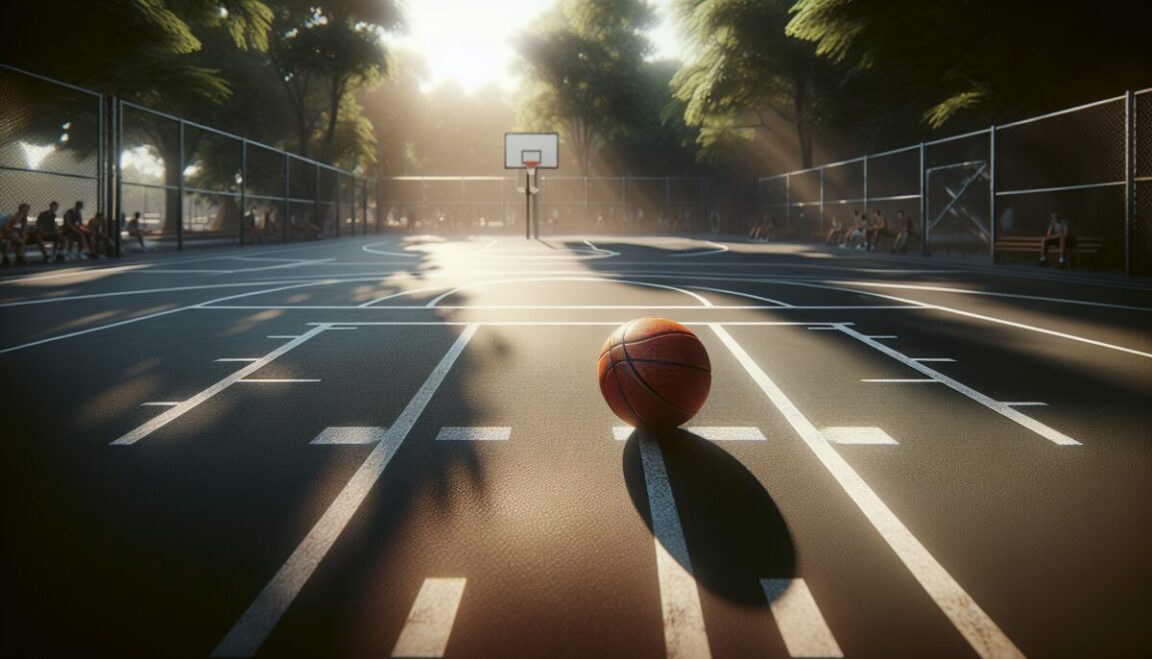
640,378
670,363
656,336
624,397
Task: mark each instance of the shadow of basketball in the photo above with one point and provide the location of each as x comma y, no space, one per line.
734,531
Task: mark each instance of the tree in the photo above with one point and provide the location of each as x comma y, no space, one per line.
586,60
748,71
325,52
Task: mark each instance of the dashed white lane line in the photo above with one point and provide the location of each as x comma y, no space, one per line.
185,406
805,632
430,621
277,380
351,435
1049,433
857,435
711,433
897,380
684,633
981,632
249,632
475,434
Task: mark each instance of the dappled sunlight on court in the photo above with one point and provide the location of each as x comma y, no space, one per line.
73,276
119,400
249,323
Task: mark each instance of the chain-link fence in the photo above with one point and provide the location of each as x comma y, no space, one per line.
171,182
985,193
51,145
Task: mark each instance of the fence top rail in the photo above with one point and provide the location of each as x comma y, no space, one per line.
445,178
961,136
51,80
893,152
1060,112
1142,91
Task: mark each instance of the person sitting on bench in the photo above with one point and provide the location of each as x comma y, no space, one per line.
1060,233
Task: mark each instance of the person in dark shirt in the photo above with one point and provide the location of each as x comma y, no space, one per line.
75,233
12,230
46,230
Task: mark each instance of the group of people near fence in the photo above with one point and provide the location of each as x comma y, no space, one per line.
865,234
73,237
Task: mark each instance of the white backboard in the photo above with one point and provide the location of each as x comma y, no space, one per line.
541,147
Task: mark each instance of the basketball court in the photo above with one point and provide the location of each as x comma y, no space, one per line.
397,447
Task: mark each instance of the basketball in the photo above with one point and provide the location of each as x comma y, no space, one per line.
654,373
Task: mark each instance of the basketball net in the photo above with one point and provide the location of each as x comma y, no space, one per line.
530,165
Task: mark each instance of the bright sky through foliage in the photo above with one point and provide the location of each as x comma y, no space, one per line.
470,42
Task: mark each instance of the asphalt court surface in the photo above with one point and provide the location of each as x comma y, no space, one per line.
397,447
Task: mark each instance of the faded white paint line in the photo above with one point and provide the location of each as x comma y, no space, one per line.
1045,431
179,410
159,404
237,359
249,632
805,632
430,621
728,433
934,359
350,435
475,434
283,336
897,380
825,328
277,380
857,435
883,336
981,632
684,633
1027,404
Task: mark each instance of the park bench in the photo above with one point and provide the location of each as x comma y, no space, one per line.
1083,247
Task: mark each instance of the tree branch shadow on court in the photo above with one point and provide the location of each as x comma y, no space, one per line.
736,535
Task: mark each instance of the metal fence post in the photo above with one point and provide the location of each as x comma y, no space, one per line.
787,199
244,189
993,221
287,198
1129,180
865,186
117,149
180,194
822,197
923,200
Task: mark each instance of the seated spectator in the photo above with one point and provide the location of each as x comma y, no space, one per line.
835,232
98,236
905,232
134,231
75,233
1059,232
877,230
12,234
855,231
45,229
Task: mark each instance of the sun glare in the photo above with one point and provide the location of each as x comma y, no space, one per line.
471,42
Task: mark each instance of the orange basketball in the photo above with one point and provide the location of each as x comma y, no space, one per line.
654,373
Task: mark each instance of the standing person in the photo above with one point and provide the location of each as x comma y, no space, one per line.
46,229
878,230
1059,232
75,233
12,233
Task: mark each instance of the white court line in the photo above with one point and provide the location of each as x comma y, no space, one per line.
159,403
883,336
237,359
981,632
249,632
857,435
370,248
350,435
739,294
277,380
1047,432
434,302
544,307
1027,404
188,405
147,291
897,380
474,434
964,291
805,632
554,323
931,359
684,633
720,249
728,433
430,621
1031,328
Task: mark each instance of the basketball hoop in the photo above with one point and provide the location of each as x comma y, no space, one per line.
530,165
